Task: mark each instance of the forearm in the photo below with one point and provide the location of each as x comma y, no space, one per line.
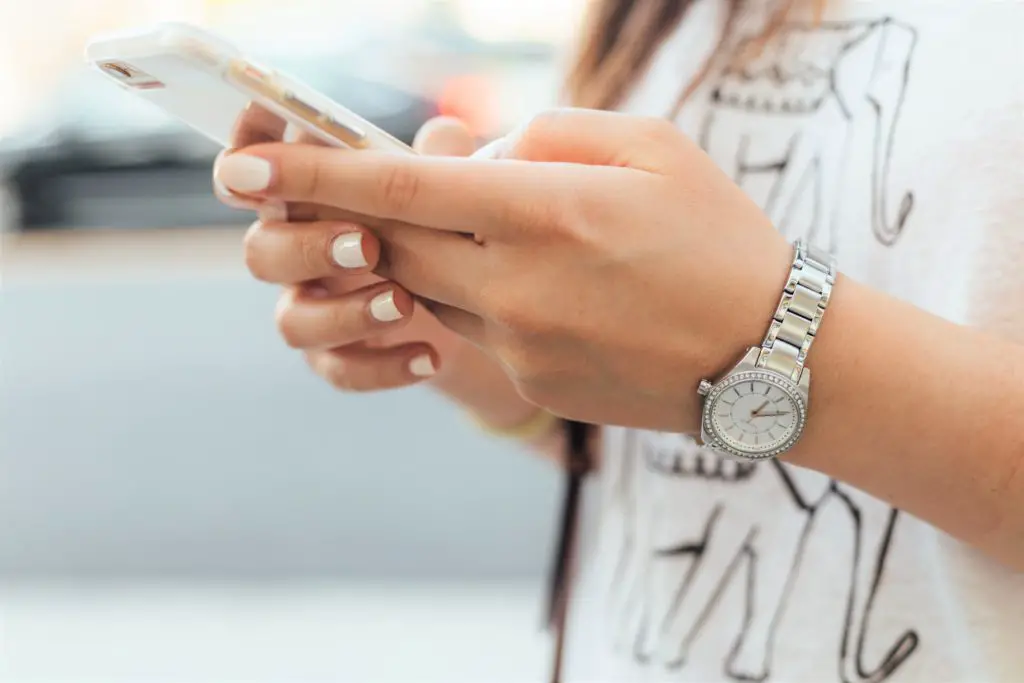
922,413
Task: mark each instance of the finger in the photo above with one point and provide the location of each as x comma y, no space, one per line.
228,197
307,211
444,267
362,369
480,196
256,125
445,136
303,137
337,285
268,210
345,284
290,253
309,319
467,325
599,138
440,266
275,212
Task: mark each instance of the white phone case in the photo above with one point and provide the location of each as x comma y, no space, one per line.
208,84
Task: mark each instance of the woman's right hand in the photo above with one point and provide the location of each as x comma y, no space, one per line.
356,330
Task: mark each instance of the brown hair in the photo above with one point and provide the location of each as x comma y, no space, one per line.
621,37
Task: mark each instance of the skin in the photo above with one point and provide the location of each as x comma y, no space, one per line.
353,352
614,266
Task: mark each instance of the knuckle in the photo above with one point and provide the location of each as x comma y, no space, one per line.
537,131
343,378
544,123
311,247
338,376
334,370
286,325
315,182
399,188
341,320
659,130
253,255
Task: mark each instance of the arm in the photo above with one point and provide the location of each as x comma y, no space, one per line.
915,410
922,413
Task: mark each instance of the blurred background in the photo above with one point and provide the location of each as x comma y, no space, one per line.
180,500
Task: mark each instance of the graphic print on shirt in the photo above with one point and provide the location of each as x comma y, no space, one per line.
787,113
790,109
703,555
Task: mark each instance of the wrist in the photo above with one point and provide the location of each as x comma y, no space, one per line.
739,324
758,409
476,383
540,426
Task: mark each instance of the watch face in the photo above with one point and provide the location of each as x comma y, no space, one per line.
755,414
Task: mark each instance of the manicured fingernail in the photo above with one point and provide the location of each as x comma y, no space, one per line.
347,250
422,366
274,212
243,173
383,308
229,198
219,189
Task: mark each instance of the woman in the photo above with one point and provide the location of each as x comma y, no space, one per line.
620,260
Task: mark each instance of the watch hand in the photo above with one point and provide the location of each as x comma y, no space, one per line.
761,407
771,414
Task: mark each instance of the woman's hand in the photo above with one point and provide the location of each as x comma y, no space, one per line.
613,264
356,330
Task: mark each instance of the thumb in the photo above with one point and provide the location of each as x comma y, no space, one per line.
445,136
598,138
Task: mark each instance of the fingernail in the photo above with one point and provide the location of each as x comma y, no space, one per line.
243,173
422,366
347,250
231,199
383,308
274,212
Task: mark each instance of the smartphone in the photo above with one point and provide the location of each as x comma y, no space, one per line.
208,84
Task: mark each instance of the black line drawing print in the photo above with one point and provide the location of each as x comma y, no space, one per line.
706,554
810,86
785,116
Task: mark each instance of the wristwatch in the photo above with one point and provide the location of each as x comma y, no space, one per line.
758,409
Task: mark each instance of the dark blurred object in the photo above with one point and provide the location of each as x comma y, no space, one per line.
99,157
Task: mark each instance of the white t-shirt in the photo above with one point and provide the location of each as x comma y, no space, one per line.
891,134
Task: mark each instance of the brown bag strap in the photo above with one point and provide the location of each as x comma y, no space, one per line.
577,465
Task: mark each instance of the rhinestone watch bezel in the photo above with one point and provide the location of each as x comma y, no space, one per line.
717,440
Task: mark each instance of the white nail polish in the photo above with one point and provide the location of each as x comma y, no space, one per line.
422,366
383,308
243,173
347,250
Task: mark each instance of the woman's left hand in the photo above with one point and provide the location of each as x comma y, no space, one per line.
613,266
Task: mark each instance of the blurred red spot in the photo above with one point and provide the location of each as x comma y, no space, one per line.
471,99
